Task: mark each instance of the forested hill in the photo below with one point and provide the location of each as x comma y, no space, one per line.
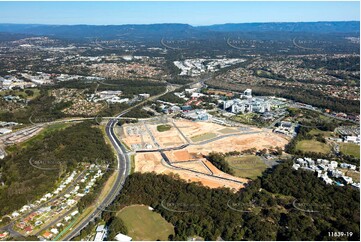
284,205
59,150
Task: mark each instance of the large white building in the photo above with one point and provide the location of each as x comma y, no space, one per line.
101,233
122,237
352,139
251,105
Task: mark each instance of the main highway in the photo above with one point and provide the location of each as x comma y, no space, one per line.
122,171
122,168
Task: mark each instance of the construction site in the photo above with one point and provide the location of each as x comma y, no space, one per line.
182,148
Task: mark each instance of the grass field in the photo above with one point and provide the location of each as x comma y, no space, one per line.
22,93
203,137
248,166
313,146
163,127
350,149
143,224
353,174
132,164
227,131
244,118
324,133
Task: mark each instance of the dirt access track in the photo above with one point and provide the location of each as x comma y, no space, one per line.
194,171
199,139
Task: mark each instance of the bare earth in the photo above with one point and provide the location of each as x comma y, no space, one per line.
189,163
151,162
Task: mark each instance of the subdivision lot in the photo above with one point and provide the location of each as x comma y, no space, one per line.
261,140
196,166
197,129
135,136
202,137
139,136
228,130
152,162
189,162
182,155
144,224
167,137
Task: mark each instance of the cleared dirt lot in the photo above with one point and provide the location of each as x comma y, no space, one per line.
167,138
136,136
194,129
196,166
139,135
182,155
190,162
241,142
151,162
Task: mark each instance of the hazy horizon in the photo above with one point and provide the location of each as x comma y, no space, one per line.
192,13
184,23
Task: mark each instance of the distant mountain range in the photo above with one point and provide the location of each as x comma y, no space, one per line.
176,30
320,27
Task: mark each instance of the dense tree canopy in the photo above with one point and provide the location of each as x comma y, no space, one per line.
62,150
265,210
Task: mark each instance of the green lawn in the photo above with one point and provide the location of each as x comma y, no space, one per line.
227,131
163,127
132,164
350,149
22,93
143,224
203,137
324,133
247,166
244,118
313,146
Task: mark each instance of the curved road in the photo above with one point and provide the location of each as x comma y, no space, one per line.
123,169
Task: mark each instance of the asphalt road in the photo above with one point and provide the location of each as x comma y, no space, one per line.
122,169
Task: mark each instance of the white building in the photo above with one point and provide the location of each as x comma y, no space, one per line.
5,131
326,179
144,95
296,166
101,233
247,93
352,139
252,105
333,164
347,179
122,237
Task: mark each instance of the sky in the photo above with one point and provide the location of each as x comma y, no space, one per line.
194,13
